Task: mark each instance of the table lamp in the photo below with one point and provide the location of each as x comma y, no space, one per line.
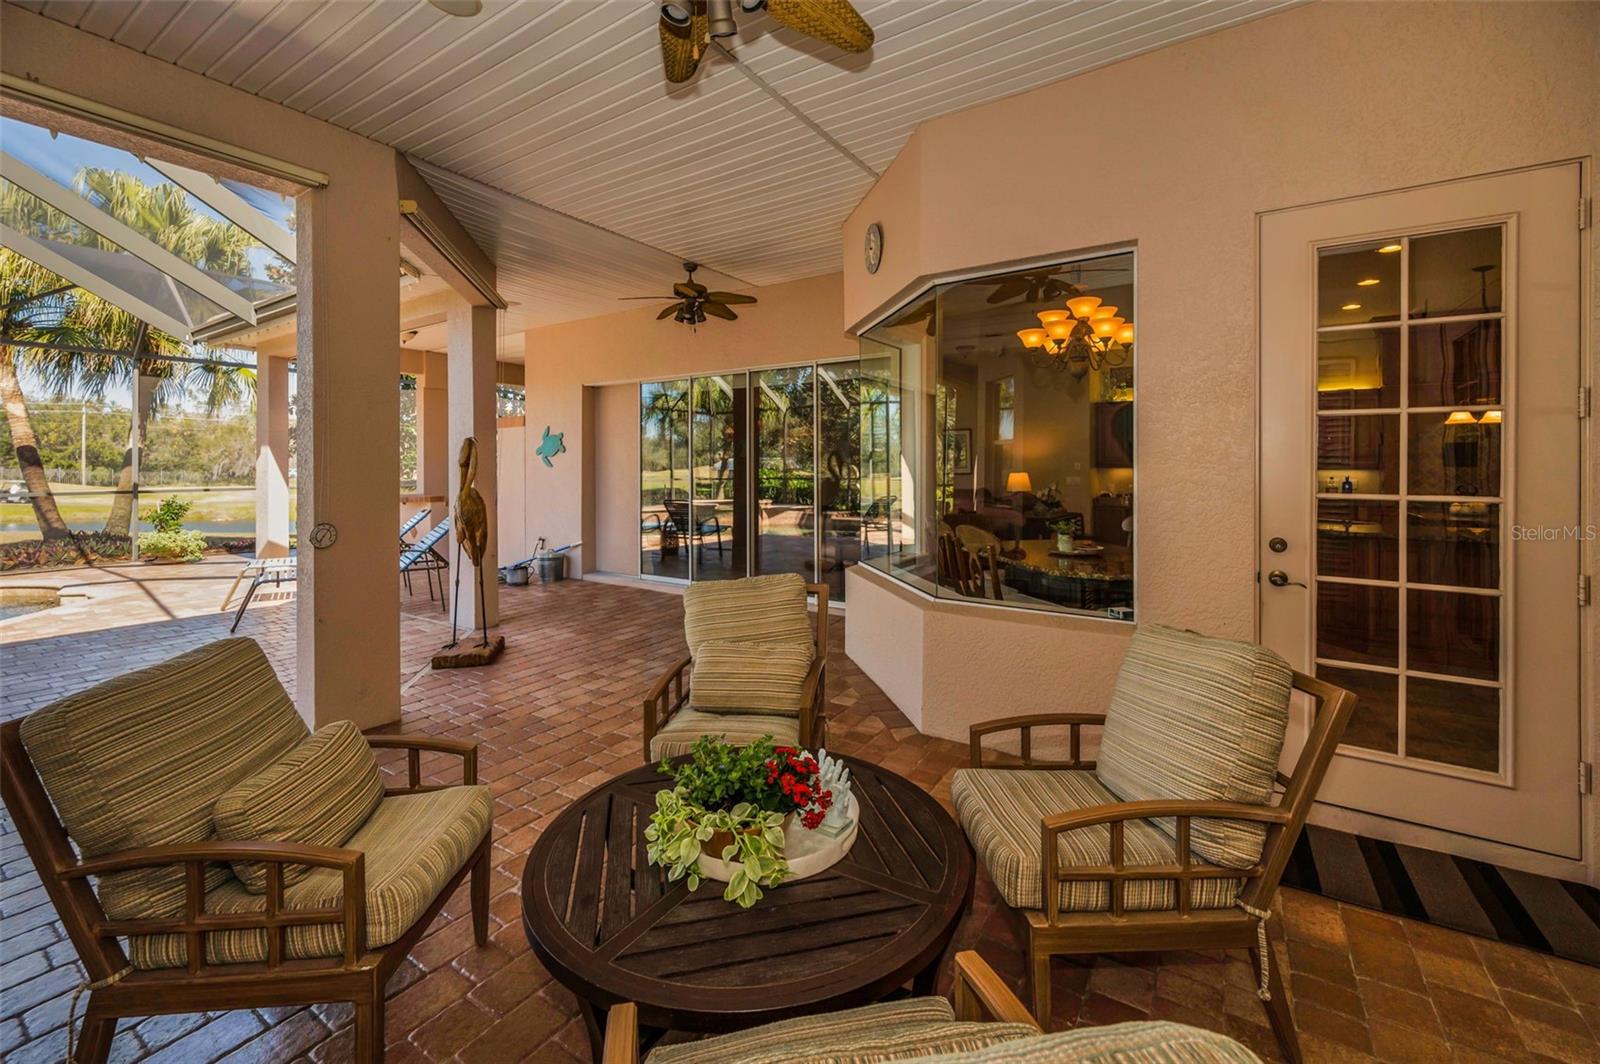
1018,482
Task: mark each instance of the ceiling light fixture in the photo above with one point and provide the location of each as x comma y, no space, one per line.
1087,335
1389,249
1351,306
1367,282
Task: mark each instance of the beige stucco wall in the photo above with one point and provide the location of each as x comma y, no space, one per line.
793,322
1176,152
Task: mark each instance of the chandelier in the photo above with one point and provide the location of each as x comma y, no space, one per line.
1087,335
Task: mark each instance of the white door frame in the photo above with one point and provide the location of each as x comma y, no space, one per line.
1587,867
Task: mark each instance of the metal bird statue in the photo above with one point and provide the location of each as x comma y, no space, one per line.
472,535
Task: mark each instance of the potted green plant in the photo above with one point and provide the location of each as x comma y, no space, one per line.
732,803
1065,532
170,542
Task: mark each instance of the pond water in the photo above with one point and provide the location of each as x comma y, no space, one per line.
18,601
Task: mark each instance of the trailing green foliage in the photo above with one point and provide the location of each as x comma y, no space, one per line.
679,829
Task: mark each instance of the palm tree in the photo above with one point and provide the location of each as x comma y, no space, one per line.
31,309
79,359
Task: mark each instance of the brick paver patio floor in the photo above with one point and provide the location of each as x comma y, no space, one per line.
560,713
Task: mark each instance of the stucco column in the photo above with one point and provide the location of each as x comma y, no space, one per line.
434,457
272,457
347,435
471,332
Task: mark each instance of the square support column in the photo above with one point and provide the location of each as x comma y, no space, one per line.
471,332
434,456
347,433
272,457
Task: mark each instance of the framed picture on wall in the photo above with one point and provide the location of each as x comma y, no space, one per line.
958,451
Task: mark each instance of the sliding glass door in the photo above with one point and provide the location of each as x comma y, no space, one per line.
663,477
785,471
712,524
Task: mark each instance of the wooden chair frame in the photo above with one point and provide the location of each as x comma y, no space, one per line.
1052,932
671,691
358,976
981,996
971,571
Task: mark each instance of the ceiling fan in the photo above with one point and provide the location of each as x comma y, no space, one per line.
691,302
687,27
1041,287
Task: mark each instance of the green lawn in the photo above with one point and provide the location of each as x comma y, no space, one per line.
230,509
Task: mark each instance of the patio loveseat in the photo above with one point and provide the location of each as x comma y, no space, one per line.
987,1025
240,861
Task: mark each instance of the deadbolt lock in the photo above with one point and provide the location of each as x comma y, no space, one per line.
1277,544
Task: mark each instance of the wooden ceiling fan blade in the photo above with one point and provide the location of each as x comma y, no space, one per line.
668,310
683,46
647,297
832,21
717,310
1008,290
730,297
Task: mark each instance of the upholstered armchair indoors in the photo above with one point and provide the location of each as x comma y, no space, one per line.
987,1025
754,667
1176,835
239,861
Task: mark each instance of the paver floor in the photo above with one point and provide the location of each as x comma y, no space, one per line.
558,714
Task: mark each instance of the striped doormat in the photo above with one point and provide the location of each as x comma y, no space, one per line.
1549,915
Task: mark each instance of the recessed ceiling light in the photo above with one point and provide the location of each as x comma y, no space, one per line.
1351,306
1367,282
1388,249
458,8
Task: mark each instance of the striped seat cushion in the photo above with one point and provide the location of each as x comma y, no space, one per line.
757,609
1145,1042
140,760
1001,809
1201,718
413,844
909,1029
686,726
320,793
744,677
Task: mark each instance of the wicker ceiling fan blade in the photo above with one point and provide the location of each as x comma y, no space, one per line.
730,297
649,297
668,310
832,21
717,310
683,46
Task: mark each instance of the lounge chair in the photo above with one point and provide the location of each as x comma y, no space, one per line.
412,522
421,557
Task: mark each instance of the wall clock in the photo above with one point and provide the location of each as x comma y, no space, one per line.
874,247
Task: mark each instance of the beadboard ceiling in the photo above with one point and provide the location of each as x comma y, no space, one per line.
549,127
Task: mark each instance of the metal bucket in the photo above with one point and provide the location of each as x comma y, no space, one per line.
551,567
516,575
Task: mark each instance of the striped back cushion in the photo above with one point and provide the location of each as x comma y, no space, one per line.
1144,1042
1202,718
140,759
750,677
319,793
757,609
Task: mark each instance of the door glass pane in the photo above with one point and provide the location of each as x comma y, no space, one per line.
1375,725
1358,539
1452,633
1456,364
1455,543
1359,284
1359,454
1453,723
1455,454
841,417
1455,273
1358,369
880,452
785,467
1357,622
712,527
664,478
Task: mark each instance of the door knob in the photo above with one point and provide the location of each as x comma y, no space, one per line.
1279,578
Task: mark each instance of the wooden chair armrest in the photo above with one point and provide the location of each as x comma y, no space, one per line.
196,923
665,698
1075,723
1118,873
622,1035
982,995
415,745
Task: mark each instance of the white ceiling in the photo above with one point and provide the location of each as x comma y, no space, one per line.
562,105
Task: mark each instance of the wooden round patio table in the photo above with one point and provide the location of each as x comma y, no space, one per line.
611,929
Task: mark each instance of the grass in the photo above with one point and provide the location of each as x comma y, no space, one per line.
87,507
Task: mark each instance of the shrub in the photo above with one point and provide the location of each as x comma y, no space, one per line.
167,515
174,544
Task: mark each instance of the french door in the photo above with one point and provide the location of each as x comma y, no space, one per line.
1420,526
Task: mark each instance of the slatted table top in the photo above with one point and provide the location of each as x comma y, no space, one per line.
608,926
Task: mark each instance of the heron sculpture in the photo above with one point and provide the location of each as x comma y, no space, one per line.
472,535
